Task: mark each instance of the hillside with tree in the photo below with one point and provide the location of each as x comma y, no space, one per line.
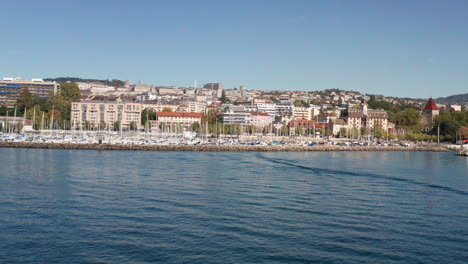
453,99
113,82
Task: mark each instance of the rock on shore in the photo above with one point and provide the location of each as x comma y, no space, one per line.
257,148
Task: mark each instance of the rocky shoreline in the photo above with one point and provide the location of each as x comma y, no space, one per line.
215,148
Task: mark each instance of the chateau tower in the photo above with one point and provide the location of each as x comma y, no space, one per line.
429,113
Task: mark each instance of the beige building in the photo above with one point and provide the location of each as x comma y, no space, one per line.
336,126
304,113
357,118
141,88
161,107
170,119
100,113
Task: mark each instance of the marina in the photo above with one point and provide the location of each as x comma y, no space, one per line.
191,142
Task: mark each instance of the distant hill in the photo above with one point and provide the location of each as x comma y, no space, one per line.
454,99
113,82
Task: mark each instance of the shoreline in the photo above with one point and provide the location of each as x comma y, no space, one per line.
217,148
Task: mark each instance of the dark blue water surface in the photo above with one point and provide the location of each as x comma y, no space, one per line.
72,206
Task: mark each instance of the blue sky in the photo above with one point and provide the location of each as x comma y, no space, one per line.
398,48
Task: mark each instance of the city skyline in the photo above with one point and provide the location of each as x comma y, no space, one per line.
401,49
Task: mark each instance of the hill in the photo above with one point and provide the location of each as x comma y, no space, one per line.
453,99
113,82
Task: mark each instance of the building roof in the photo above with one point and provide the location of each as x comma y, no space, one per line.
180,114
15,120
326,114
259,114
338,122
306,123
431,105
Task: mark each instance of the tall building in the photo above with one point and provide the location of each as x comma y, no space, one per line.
218,87
10,89
430,111
214,86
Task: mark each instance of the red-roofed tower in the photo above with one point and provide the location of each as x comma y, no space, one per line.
430,111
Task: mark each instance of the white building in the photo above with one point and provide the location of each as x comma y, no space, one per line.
456,107
148,96
235,114
183,119
269,108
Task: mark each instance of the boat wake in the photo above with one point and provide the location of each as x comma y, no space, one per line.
322,171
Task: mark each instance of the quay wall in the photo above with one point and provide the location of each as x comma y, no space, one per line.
256,148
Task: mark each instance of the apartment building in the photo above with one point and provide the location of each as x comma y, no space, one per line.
197,107
304,113
235,114
269,108
10,89
101,113
260,120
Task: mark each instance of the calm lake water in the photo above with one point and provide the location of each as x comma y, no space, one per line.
72,206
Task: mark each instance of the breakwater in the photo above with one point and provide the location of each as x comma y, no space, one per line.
213,148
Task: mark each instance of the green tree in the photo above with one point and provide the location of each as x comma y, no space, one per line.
284,130
58,102
409,119
223,98
167,109
37,117
379,133
250,129
343,132
274,99
448,128
301,103
211,116
237,129
70,92
374,104
3,110
147,114
195,126
449,122
133,125
116,125
25,100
